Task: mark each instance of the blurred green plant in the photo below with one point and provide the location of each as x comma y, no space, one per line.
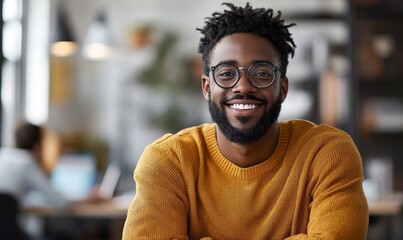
170,76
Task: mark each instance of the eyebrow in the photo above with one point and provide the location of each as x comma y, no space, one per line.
234,62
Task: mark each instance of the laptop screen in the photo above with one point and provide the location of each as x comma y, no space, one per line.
109,182
74,175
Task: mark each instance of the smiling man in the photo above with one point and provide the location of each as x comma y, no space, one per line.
248,176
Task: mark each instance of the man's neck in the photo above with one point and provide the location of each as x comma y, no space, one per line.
247,155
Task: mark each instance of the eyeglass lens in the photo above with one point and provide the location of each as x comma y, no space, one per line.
260,75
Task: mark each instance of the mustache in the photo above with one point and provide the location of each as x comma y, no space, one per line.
224,100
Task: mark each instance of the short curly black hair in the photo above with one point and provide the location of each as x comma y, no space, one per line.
259,21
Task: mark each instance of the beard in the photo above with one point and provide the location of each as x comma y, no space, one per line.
244,136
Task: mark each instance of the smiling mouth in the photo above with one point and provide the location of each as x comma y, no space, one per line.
243,106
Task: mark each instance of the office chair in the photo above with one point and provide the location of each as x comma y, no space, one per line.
9,209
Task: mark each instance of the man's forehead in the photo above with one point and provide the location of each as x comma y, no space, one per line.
244,48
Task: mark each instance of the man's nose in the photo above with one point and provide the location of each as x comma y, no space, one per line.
243,86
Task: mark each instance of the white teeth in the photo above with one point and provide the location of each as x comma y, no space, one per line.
243,106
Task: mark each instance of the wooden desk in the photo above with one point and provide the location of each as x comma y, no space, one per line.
386,205
100,220
389,205
388,208
386,216
104,209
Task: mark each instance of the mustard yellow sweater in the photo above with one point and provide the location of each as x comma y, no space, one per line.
310,188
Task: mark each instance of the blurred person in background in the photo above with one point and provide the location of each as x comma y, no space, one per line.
247,175
20,167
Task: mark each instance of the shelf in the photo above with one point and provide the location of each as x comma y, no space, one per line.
388,135
371,148
389,79
378,12
381,88
377,42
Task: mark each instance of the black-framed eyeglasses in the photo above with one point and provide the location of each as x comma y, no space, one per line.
260,74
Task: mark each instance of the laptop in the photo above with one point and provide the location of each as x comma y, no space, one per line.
109,182
74,175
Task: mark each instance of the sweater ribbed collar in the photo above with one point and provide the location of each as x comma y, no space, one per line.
250,172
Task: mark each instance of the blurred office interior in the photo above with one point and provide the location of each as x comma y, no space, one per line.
133,74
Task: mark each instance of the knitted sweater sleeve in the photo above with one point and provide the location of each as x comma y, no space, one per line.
339,208
159,209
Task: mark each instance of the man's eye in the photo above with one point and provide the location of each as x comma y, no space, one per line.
263,74
226,75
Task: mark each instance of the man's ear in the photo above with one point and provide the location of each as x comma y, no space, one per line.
284,89
205,83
